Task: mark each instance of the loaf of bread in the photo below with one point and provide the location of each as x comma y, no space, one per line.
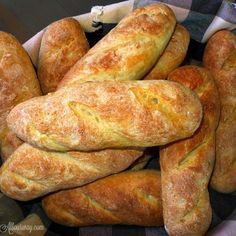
18,82
218,49
129,50
131,198
30,172
220,58
63,44
96,115
173,55
186,165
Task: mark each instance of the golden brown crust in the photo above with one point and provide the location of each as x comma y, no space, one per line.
108,114
63,44
129,50
172,56
18,82
218,49
132,198
220,58
31,172
186,165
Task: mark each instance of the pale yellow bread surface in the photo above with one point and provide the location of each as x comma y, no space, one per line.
131,198
173,55
30,172
129,50
108,114
187,165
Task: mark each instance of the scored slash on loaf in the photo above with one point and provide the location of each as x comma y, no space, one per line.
31,172
101,119
151,18
186,165
129,50
108,114
131,197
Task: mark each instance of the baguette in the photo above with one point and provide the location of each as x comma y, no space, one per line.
39,156
220,58
18,82
63,44
186,165
96,115
132,198
173,55
129,50
30,172
218,49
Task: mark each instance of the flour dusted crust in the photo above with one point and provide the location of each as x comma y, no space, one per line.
63,44
18,82
131,197
31,172
129,50
220,58
108,114
186,165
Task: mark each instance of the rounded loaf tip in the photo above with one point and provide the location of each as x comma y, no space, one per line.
109,114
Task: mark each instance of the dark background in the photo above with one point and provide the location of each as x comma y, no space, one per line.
24,18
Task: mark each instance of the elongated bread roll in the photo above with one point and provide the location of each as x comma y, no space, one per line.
108,114
132,197
129,50
186,165
63,44
172,56
18,82
218,49
53,44
220,58
31,172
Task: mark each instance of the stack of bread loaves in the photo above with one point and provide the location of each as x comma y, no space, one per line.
101,109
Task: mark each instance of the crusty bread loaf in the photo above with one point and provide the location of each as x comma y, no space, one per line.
173,54
186,165
129,50
62,45
18,82
132,198
218,49
220,58
30,172
108,114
